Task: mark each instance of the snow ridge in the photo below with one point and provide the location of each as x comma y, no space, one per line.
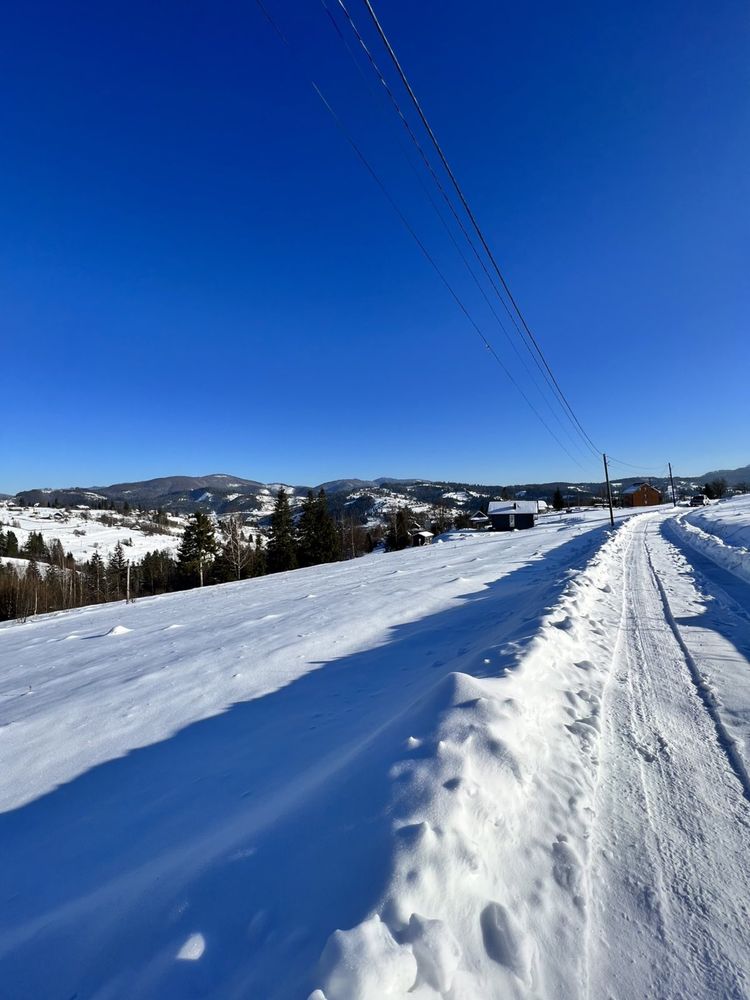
509,773
735,558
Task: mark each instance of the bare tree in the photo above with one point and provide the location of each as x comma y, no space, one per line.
236,552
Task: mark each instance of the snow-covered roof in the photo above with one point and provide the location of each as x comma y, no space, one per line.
424,534
478,516
513,507
638,486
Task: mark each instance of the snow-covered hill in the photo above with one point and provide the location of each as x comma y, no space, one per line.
365,501
82,531
398,777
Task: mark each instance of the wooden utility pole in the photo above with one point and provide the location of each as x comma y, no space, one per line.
609,492
671,479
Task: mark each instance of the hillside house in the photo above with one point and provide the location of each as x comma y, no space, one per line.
479,520
421,537
640,495
512,515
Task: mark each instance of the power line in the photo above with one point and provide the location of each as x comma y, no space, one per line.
407,225
639,468
447,200
472,217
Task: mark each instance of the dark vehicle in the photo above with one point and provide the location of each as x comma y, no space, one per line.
699,500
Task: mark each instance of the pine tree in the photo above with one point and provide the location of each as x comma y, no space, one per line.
558,502
258,566
329,544
306,531
94,576
117,567
158,571
11,544
35,547
198,547
280,552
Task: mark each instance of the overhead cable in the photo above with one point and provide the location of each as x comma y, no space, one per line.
407,225
474,222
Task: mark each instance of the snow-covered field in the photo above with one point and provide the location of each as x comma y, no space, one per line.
82,533
507,765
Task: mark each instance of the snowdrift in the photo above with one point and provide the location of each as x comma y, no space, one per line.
722,533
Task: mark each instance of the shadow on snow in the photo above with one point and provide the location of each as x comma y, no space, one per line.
261,830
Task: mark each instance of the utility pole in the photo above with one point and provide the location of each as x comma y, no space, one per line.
609,492
127,584
671,479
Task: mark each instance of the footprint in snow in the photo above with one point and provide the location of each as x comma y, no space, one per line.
504,941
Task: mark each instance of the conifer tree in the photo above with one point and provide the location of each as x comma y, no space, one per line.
198,547
329,544
317,538
280,552
259,558
35,547
116,571
306,530
94,575
558,501
11,544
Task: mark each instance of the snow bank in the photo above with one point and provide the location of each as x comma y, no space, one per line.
722,533
727,519
491,817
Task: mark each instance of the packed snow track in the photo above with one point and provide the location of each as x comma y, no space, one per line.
670,878
504,766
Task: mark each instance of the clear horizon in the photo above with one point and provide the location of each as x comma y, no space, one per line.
329,479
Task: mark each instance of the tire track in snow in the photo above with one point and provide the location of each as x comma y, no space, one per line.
670,887
725,741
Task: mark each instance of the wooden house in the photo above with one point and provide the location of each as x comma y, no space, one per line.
479,520
640,495
511,515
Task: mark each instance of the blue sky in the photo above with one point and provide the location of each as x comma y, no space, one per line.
197,274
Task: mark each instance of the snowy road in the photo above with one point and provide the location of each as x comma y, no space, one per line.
670,878
506,767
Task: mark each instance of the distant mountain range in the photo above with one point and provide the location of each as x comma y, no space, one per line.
364,500
733,476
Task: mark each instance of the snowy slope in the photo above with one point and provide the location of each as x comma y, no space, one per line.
82,533
245,713
406,776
